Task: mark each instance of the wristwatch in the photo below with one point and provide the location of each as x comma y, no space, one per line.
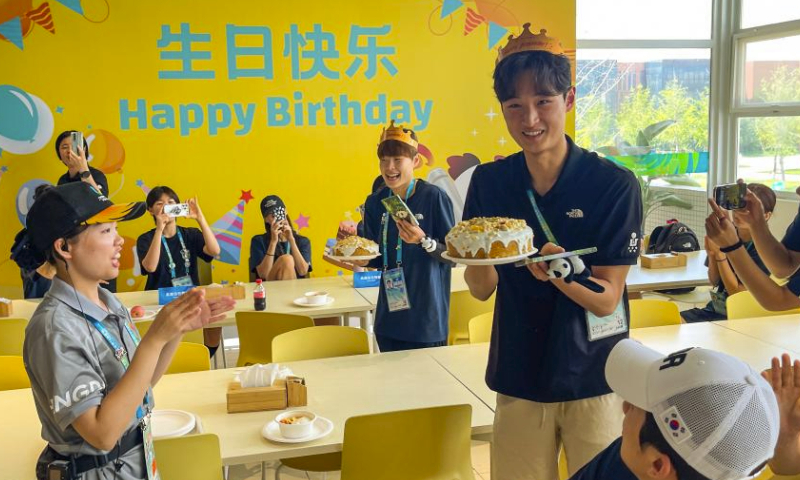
85,174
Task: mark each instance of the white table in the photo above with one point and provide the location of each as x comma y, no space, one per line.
280,298
694,274
782,331
338,388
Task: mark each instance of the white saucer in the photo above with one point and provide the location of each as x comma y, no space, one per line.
302,302
322,426
172,423
488,261
355,259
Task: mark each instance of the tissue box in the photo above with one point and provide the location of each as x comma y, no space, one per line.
291,393
663,260
6,307
235,291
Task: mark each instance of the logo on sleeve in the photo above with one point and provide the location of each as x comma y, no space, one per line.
633,245
75,395
575,213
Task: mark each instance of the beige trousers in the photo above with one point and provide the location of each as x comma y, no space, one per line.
528,436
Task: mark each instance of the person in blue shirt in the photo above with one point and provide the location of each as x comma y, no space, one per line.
414,300
550,337
695,414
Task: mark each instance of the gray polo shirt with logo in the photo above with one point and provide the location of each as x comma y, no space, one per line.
72,367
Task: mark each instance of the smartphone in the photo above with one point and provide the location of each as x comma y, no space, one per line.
177,209
77,142
398,209
731,196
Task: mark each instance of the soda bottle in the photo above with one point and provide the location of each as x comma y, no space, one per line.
259,297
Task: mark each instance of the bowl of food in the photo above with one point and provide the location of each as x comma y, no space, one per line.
296,424
316,298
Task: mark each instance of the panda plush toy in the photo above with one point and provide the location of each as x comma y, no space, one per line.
572,269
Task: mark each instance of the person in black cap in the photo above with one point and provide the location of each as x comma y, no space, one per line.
35,281
90,371
280,253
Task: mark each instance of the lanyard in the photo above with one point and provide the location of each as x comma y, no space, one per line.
184,253
399,247
120,353
542,222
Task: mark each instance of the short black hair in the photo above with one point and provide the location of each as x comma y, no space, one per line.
66,134
156,193
651,435
396,148
550,74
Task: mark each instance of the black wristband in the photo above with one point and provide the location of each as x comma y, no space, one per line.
732,247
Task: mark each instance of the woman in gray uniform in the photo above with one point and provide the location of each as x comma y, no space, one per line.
82,351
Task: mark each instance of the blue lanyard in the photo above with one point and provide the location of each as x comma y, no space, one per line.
120,353
184,253
542,222
399,247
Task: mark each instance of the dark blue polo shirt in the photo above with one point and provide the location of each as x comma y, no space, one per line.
427,279
607,465
258,250
540,349
792,237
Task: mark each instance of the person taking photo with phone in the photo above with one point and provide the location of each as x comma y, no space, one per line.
75,157
280,253
168,253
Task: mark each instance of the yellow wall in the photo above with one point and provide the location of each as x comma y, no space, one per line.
109,54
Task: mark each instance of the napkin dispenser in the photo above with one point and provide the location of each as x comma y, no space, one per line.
280,396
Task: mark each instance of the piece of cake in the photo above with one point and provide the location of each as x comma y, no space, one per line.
355,246
489,237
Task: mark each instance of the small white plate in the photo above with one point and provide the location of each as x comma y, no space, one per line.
355,259
149,314
303,302
322,427
172,423
488,261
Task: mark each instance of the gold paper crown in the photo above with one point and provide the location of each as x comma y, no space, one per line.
529,42
397,133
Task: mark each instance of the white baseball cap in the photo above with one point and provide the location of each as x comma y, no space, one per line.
715,411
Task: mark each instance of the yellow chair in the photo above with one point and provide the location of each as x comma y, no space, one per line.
190,357
257,329
464,307
654,313
563,471
480,328
313,343
319,342
193,337
744,305
192,457
12,335
14,375
428,443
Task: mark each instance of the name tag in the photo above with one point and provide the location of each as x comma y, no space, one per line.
602,327
396,293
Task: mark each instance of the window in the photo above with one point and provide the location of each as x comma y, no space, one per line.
765,107
643,71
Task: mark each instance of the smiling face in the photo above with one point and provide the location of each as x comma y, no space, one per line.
398,171
94,253
536,120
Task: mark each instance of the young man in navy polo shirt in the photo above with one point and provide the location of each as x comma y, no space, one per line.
414,298
545,363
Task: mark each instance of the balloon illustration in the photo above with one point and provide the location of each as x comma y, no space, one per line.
105,151
26,122
25,197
